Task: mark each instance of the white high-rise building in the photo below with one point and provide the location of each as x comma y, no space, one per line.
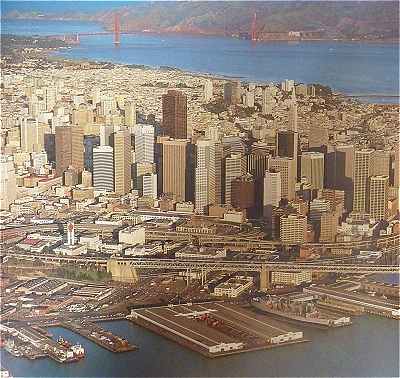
29,134
105,134
103,168
268,101
208,90
96,95
272,192
39,160
130,113
363,169
50,97
144,143
149,185
235,166
288,169
287,85
8,183
205,175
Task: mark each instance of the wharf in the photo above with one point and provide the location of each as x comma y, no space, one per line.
216,329
99,336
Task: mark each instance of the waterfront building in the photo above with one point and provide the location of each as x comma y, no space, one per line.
292,229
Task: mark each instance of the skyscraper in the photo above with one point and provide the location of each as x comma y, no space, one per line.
175,156
205,188
232,95
287,144
105,134
144,143
77,148
235,166
378,188
363,165
243,194
103,168
174,114
130,113
8,184
268,101
381,163
312,168
287,167
292,229
90,142
208,90
29,135
272,192
122,162
63,149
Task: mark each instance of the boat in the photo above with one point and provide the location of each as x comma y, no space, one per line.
63,342
78,351
304,313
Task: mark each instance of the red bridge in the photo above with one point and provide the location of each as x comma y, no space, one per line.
75,38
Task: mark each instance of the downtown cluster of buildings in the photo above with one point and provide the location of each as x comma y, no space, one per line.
219,148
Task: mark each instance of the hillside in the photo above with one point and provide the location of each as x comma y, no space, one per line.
346,19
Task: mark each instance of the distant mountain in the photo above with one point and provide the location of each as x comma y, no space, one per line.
344,19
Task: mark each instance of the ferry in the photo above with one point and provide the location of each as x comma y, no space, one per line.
304,312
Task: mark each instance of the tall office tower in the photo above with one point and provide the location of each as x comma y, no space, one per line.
293,119
144,143
378,189
174,114
363,167
212,133
103,168
312,168
287,85
208,90
287,167
287,144
50,97
339,172
96,95
105,134
317,136
232,93
233,144
268,101
248,100
235,166
77,150
108,105
272,193
8,184
29,135
50,147
242,194
328,227
149,185
122,162
82,116
257,164
130,113
63,149
174,167
381,163
71,177
87,179
396,169
90,142
205,188
292,229
38,160
318,206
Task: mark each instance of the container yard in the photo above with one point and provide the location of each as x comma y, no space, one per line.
216,329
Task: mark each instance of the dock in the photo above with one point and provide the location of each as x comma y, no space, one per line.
216,329
99,336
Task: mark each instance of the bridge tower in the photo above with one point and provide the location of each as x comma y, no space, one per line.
117,29
253,31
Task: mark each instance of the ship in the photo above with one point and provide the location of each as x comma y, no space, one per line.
63,342
78,351
303,312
